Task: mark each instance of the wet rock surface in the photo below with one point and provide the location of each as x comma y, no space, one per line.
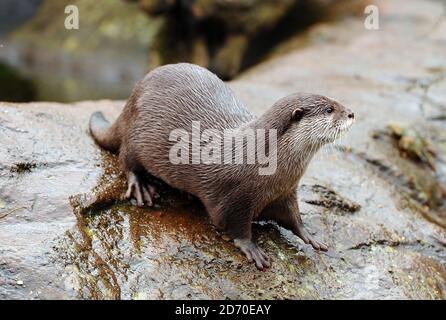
64,233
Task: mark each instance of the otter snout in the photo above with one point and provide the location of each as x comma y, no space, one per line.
349,113
345,120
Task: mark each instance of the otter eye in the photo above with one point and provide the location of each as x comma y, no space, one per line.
330,109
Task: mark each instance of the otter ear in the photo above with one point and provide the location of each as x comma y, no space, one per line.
297,114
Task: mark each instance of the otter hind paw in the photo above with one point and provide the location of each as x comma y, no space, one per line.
140,191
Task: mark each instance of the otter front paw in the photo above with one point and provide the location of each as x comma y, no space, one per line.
302,233
253,253
141,192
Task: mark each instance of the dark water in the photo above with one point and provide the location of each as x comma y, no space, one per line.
15,87
19,86
27,74
24,85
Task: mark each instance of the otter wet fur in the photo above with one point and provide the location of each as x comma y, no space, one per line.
174,96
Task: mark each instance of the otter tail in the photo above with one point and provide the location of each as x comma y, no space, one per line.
104,134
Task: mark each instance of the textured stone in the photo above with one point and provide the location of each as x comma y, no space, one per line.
63,235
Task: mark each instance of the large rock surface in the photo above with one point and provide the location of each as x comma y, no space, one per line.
63,236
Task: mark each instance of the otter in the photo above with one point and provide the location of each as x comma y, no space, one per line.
234,195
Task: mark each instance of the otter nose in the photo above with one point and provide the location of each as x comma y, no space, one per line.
351,115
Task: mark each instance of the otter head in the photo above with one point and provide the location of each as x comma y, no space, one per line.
316,118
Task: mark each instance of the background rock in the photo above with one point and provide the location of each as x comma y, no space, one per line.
235,34
117,42
63,235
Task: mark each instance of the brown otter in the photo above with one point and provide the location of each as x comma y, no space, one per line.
178,96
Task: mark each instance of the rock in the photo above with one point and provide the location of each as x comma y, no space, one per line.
69,235
155,7
235,34
412,144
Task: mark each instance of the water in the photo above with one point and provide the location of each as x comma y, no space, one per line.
31,74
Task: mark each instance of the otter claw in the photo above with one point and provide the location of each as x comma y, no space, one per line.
152,191
147,196
133,191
